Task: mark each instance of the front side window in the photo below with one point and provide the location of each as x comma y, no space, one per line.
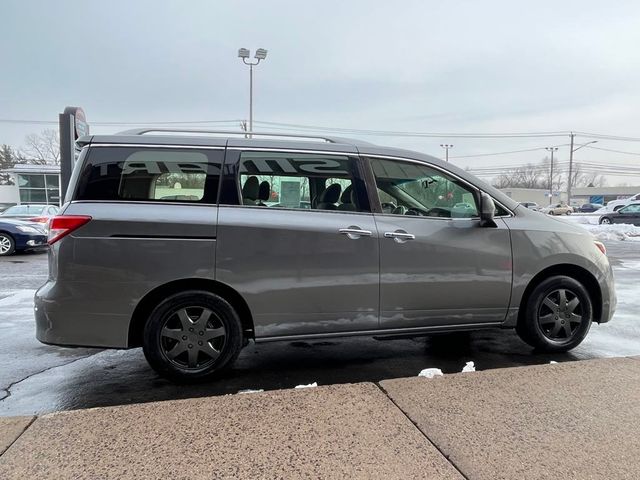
301,181
150,174
630,209
406,188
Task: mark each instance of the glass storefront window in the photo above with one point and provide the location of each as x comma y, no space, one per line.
30,180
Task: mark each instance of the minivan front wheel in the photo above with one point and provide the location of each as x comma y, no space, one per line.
191,336
557,315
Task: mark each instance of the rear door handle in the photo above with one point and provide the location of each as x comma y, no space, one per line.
355,232
400,236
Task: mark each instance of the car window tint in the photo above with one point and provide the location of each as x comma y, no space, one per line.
406,188
300,181
150,174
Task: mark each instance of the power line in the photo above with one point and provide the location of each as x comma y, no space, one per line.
189,122
615,151
296,126
607,137
505,153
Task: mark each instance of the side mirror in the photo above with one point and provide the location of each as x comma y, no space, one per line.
487,211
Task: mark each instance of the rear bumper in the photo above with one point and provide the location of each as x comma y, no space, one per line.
59,321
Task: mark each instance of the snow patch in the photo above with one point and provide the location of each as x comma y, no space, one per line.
251,391
430,373
311,385
618,231
469,367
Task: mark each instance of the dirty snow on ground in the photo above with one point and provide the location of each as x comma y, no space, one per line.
430,372
618,231
311,385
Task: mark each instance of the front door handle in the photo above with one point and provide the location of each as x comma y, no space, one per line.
400,236
355,232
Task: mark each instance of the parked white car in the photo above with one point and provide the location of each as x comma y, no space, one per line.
615,205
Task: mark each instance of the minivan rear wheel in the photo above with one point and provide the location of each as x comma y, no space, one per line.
557,315
191,336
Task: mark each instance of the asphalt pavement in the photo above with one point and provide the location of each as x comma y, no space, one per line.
36,378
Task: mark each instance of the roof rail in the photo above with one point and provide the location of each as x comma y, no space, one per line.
143,131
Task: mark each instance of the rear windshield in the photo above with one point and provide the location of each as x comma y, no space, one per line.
150,174
24,210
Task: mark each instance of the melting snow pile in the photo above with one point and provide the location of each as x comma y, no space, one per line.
430,373
469,367
620,231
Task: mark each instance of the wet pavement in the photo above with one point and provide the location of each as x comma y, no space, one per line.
36,378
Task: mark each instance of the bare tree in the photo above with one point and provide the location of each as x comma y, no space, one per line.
42,148
528,176
579,178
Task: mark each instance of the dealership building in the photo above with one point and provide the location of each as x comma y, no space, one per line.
32,184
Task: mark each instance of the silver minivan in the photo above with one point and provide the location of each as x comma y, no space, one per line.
192,245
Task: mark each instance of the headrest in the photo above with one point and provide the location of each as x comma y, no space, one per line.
346,195
264,192
250,188
331,194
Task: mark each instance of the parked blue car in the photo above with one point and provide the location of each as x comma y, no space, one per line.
18,236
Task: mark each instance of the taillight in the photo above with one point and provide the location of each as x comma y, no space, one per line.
39,219
64,225
601,247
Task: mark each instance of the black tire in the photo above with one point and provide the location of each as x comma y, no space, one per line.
556,330
605,221
178,316
7,245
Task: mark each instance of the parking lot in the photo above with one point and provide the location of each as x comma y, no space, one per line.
36,378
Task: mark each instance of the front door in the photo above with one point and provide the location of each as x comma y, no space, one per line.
629,214
299,242
438,267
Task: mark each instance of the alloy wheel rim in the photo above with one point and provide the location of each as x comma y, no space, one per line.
560,315
192,338
5,244
606,221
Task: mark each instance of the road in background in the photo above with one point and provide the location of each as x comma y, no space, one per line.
36,378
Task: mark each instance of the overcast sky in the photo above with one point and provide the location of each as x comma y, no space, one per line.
428,66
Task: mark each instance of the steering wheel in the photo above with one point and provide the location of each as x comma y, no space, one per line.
438,212
399,210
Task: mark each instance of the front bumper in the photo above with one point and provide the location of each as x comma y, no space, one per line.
26,241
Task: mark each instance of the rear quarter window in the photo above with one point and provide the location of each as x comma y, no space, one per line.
150,174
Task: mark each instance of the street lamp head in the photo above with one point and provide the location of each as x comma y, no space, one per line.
261,54
244,53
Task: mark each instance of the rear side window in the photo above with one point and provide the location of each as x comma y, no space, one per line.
150,174
306,181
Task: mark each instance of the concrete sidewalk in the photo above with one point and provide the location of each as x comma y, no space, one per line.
573,420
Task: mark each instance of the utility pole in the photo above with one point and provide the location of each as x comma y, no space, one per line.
551,149
446,147
244,54
571,150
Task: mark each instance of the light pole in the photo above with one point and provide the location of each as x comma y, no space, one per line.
446,147
551,149
244,54
571,150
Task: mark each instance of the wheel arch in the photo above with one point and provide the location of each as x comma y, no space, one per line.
151,299
576,272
